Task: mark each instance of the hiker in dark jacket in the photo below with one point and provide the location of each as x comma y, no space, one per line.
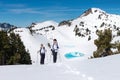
54,49
42,54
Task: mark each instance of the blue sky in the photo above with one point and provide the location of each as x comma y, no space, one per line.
23,12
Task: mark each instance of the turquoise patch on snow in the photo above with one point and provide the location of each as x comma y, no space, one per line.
73,55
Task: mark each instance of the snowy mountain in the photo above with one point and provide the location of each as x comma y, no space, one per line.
87,24
70,42
44,24
96,19
6,26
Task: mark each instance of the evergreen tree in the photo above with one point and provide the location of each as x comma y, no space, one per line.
4,47
12,50
103,42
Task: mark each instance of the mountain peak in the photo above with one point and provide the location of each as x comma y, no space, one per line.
92,11
97,9
45,24
48,22
6,26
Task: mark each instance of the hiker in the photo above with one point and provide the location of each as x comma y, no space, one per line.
42,53
54,49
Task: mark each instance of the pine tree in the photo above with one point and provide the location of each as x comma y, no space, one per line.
19,49
4,47
12,50
103,42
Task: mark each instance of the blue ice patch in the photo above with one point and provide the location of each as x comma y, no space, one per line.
73,55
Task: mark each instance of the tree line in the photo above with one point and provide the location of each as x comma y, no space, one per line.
12,50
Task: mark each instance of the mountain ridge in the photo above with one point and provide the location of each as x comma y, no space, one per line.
6,26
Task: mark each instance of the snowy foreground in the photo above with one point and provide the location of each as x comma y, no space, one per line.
76,69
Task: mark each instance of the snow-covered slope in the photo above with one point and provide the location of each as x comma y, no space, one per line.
95,69
31,41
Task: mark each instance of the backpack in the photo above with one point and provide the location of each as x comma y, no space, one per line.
57,46
41,49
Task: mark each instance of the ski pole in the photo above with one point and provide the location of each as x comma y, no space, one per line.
47,56
59,57
37,58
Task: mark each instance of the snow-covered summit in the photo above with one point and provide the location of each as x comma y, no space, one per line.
92,11
44,24
96,19
97,9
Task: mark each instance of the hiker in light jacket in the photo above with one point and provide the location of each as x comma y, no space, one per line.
54,49
42,54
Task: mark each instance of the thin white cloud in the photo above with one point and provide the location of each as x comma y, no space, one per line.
15,5
41,10
25,10
66,10
3,5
